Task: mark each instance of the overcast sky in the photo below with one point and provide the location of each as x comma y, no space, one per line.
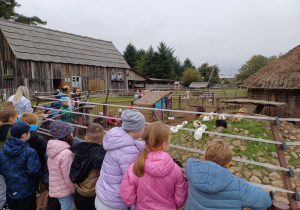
223,32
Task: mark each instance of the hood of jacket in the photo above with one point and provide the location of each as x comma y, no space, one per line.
14,146
87,157
159,164
117,138
54,147
208,177
3,131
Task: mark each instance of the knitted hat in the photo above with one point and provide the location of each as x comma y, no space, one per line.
59,129
19,128
120,110
64,99
47,108
132,120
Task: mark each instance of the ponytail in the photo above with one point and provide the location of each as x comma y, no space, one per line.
138,167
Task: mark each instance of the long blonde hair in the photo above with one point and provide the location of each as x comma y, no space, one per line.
21,91
154,135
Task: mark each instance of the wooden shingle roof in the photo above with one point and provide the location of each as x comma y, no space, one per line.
198,85
40,44
151,98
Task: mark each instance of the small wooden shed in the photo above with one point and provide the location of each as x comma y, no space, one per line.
149,100
278,81
199,85
43,60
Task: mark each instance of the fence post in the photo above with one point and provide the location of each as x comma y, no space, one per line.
105,114
213,99
179,102
282,161
202,100
218,105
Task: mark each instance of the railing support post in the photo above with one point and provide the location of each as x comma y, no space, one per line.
283,163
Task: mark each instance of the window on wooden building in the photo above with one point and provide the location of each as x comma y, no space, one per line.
7,69
113,76
120,75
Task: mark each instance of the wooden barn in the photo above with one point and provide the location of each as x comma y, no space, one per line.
278,81
44,60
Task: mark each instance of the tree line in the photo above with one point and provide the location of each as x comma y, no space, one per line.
162,63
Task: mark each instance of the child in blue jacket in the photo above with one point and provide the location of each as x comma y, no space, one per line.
21,167
213,186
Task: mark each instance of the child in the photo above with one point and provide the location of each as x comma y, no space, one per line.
121,151
112,121
7,105
85,169
119,113
154,181
59,163
213,186
8,117
67,117
20,167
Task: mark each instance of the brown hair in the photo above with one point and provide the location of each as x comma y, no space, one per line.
8,105
219,152
95,133
111,112
68,138
7,113
155,134
29,118
81,132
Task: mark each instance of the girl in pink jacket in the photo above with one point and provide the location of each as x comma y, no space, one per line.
154,181
59,163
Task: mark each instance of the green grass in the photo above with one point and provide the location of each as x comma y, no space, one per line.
257,129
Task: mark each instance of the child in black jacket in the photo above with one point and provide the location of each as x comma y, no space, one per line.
85,169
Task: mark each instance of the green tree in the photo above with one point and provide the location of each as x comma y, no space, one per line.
205,70
190,75
188,64
251,66
146,64
130,55
7,12
165,60
178,69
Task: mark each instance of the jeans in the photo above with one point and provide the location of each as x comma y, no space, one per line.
67,202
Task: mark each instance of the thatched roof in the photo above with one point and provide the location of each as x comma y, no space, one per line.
151,98
40,44
198,85
283,73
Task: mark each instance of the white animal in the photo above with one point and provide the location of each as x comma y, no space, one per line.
199,132
197,124
206,118
179,126
173,129
222,117
211,116
184,123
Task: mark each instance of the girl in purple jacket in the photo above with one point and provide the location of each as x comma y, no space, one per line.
121,151
154,181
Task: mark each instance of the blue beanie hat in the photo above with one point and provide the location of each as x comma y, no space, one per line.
19,128
132,120
47,108
59,129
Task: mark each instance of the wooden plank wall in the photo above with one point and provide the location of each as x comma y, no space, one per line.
290,97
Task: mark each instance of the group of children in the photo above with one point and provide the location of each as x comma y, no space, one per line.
117,171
